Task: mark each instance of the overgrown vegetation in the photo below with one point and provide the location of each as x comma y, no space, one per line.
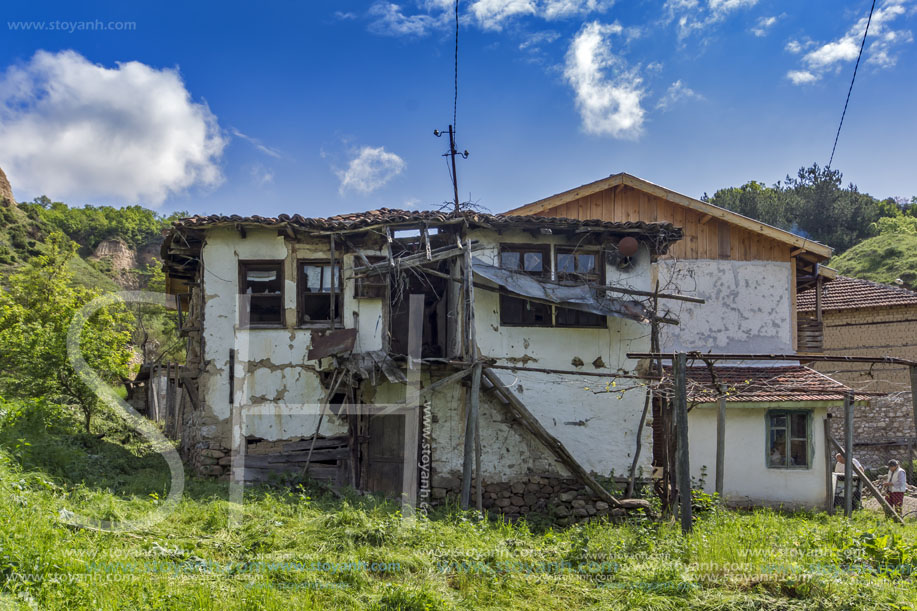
301,548
89,225
36,310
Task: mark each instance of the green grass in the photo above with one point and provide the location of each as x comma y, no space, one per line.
884,259
299,548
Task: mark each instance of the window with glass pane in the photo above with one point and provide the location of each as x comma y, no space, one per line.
532,260
262,285
315,300
579,266
788,439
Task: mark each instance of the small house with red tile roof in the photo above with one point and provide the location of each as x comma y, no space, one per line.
871,319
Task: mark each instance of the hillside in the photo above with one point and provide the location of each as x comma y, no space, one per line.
116,247
884,258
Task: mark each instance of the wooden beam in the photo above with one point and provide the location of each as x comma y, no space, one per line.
568,196
705,219
720,444
829,467
531,423
913,372
721,356
889,511
848,454
475,406
683,464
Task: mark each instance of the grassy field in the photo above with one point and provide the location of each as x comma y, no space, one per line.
301,548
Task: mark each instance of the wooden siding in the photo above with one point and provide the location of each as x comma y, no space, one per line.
704,239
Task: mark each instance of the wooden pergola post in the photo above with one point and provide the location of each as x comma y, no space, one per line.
848,454
683,466
721,443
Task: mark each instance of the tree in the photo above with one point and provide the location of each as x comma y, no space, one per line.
36,308
757,201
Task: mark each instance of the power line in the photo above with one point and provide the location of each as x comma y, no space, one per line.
857,65
455,97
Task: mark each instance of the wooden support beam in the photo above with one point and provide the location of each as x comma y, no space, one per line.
829,468
710,356
848,453
475,405
889,510
705,219
913,372
720,444
683,466
531,423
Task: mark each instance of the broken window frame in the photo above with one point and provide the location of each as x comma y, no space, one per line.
247,265
528,307
580,318
302,295
788,439
373,285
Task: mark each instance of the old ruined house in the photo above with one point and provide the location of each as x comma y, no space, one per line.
749,275
863,317
302,325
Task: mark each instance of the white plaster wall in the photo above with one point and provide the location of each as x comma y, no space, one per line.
599,430
748,308
748,481
507,451
274,379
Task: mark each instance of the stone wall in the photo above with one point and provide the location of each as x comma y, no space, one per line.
565,500
883,429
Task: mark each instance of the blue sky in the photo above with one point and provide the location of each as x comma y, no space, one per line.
323,107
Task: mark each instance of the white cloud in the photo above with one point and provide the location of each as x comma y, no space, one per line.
259,146
369,170
764,24
692,16
801,77
677,92
559,9
490,14
880,44
794,46
261,175
537,39
391,19
81,132
608,94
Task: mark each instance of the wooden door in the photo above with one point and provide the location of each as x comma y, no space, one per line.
385,455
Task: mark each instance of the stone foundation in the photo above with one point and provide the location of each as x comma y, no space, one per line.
564,500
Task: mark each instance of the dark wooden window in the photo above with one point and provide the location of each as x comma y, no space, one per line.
372,286
789,439
584,266
533,260
314,287
261,282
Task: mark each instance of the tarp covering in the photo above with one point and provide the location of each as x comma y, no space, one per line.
573,296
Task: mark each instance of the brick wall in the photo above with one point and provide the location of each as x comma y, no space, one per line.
883,428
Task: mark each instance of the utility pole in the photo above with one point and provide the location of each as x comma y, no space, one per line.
451,154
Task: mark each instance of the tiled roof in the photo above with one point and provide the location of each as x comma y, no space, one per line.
847,293
760,384
387,216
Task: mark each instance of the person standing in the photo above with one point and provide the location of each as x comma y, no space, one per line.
895,486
